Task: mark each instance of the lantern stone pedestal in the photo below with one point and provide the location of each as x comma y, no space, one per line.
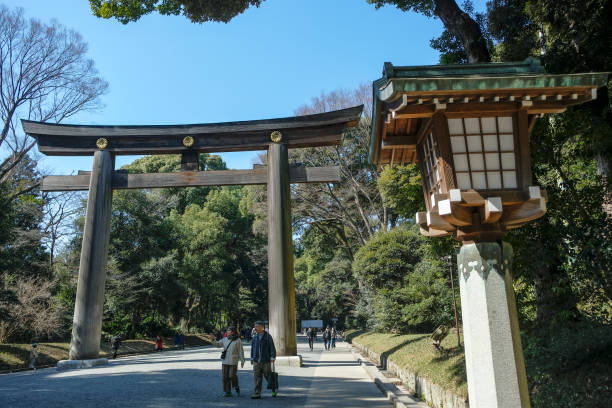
493,351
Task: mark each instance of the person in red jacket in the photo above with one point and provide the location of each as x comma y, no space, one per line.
159,343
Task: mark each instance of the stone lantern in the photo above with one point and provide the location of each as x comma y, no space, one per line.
468,127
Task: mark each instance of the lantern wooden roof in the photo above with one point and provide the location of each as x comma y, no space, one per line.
406,98
468,126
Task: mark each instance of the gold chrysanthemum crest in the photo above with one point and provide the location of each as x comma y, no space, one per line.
101,143
188,141
276,136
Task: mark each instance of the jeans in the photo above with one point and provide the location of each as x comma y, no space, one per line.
333,343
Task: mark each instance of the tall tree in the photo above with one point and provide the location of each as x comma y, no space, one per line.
457,21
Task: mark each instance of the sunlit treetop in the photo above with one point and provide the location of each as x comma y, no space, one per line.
198,11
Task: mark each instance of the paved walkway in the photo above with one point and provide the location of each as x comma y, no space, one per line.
192,378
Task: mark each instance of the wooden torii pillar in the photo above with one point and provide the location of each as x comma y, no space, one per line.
104,142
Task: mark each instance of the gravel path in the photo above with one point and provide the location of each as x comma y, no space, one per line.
192,378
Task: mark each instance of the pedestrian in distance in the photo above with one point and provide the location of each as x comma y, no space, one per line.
182,340
263,355
159,343
177,341
33,356
310,336
327,338
231,354
115,344
334,334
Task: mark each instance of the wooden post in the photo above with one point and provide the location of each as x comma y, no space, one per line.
494,359
281,292
87,323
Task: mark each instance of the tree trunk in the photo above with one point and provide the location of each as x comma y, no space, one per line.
465,29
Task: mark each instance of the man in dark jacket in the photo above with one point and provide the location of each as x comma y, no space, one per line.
263,353
310,335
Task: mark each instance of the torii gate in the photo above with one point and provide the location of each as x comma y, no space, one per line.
104,142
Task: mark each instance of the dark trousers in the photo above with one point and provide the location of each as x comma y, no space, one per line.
310,342
333,343
230,377
261,370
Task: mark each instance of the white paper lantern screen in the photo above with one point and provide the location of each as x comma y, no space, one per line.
483,152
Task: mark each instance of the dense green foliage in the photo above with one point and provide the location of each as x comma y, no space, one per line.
406,280
183,258
198,11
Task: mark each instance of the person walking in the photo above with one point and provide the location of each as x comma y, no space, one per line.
263,355
232,352
33,356
310,336
115,343
327,338
334,334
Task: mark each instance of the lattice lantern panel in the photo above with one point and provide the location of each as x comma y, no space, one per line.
429,157
484,153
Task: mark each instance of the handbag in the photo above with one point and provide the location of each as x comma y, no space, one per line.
224,352
273,380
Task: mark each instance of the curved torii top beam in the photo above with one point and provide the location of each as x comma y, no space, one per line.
322,129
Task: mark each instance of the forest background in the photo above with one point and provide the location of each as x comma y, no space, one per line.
194,259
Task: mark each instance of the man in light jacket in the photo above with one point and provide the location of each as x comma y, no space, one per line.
263,353
232,352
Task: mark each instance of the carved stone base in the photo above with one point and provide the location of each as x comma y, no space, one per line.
493,351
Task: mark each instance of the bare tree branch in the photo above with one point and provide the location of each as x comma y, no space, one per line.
45,76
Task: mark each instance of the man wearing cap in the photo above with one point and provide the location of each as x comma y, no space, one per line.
263,353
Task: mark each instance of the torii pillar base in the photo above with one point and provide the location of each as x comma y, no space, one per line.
493,352
281,286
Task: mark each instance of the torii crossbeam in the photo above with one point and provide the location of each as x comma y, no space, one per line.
105,142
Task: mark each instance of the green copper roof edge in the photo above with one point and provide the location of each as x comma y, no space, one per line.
391,87
528,66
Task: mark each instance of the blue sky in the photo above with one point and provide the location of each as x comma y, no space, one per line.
263,64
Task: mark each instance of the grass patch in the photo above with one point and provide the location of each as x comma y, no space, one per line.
571,369
415,353
15,356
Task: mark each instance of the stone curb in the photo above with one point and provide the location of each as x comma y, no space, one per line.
390,390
